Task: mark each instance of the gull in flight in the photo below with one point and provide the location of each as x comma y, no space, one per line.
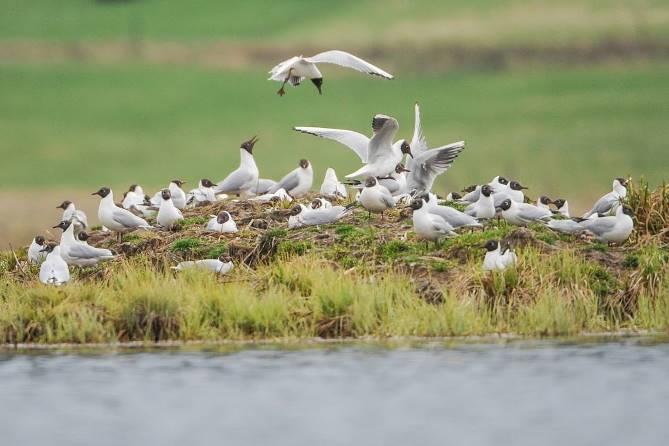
242,181
426,164
298,68
379,154
298,182
610,201
116,218
70,211
221,265
497,259
54,270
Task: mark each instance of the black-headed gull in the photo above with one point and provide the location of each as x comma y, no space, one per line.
379,154
297,182
242,181
611,200
221,265
562,207
522,214
222,222
300,215
497,259
69,211
203,194
168,214
375,198
77,252
298,68
428,226
484,206
54,270
613,228
116,218
452,216
35,251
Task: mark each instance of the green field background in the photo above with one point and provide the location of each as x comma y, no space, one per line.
561,95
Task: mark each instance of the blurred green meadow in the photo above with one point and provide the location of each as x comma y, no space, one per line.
560,95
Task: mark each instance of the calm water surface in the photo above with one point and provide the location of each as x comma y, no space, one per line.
519,393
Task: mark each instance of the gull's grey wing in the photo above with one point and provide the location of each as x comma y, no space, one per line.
263,186
380,145
87,252
530,212
353,140
128,219
233,182
391,184
600,225
418,142
604,205
289,182
344,59
425,168
387,198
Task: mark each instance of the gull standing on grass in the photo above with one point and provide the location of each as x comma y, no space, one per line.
54,270
610,201
613,228
497,259
221,265
428,226
36,253
242,181
137,202
298,68
116,218
522,214
77,252
375,198
222,222
451,215
484,207
70,211
298,182
514,192
427,164
331,186
379,154
168,214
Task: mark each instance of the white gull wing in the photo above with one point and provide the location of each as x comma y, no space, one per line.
418,142
127,219
85,252
344,59
278,73
353,140
381,144
600,225
425,168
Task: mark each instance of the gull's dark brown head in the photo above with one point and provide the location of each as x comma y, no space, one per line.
166,194
296,210
132,188
49,247
545,200
491,245
506,205
455,196
405,148
628,211
515,185
623,181
400,168
316,203
471,188
62,225
370,182
40,240
486,190
179,183
102,192
206,182
502,180
304,164
318,82
225,258
64,205
559,203
248,145
83,236
416,204
222,217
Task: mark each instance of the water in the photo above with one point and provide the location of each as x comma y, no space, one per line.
614,393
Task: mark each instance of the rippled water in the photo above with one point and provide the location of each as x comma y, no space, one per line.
520,393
